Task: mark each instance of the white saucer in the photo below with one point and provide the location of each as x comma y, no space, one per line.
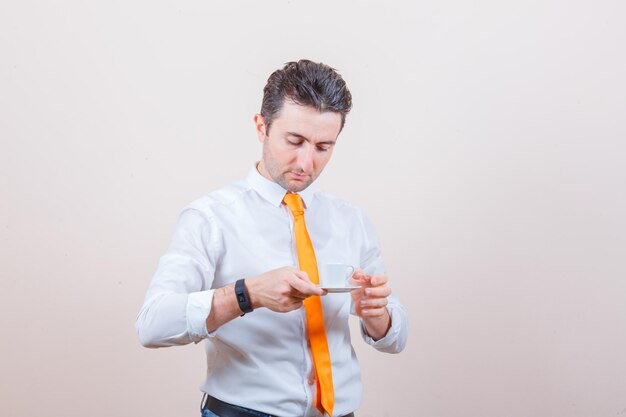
341,289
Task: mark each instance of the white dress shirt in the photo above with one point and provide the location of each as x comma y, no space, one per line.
262,360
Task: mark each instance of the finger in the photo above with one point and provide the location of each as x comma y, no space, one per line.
297,294
358,272
359,276
303,296
374,312
306,288
302,275
378,292
378,280
373,303
365,281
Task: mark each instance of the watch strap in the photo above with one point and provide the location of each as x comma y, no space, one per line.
243,298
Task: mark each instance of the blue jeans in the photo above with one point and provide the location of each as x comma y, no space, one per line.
208,413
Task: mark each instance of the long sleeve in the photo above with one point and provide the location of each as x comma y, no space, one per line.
395,339
179,297
242,231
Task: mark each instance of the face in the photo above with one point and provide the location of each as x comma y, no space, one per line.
298,145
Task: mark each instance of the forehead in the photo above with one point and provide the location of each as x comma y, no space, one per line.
307,121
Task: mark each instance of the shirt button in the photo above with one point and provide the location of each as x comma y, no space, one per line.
311,377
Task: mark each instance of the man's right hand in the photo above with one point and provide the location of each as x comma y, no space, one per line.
282,290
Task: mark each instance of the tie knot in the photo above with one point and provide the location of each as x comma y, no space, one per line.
295,204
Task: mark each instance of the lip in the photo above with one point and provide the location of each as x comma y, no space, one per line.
298,175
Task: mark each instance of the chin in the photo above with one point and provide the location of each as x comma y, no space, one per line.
296,187
288,183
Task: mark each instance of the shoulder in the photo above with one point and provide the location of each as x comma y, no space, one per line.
220,198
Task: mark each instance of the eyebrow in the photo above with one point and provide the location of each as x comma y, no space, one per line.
299,136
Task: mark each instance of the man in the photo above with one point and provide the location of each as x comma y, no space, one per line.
254,247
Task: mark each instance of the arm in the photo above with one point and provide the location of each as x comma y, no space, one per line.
370,303
383,318
280,290
180,308
179,296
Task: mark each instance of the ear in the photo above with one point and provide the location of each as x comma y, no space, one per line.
259,124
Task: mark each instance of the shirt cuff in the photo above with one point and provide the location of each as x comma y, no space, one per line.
198,309
392,334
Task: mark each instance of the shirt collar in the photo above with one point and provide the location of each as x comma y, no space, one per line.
273,192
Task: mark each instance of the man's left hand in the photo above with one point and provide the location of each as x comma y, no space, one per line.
370,302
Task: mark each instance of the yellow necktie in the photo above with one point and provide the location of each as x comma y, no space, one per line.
324,394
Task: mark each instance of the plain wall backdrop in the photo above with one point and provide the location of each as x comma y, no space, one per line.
487,145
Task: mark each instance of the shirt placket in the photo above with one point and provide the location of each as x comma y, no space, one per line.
308,375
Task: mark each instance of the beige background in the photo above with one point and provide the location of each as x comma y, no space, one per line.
487,144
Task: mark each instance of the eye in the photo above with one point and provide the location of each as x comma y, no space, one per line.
324,147
294,142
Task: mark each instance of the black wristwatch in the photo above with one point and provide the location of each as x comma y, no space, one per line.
243,298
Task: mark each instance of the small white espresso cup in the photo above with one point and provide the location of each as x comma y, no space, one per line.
335,275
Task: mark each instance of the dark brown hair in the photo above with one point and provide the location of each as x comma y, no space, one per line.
306,83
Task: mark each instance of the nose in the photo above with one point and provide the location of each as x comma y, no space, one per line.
305,158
